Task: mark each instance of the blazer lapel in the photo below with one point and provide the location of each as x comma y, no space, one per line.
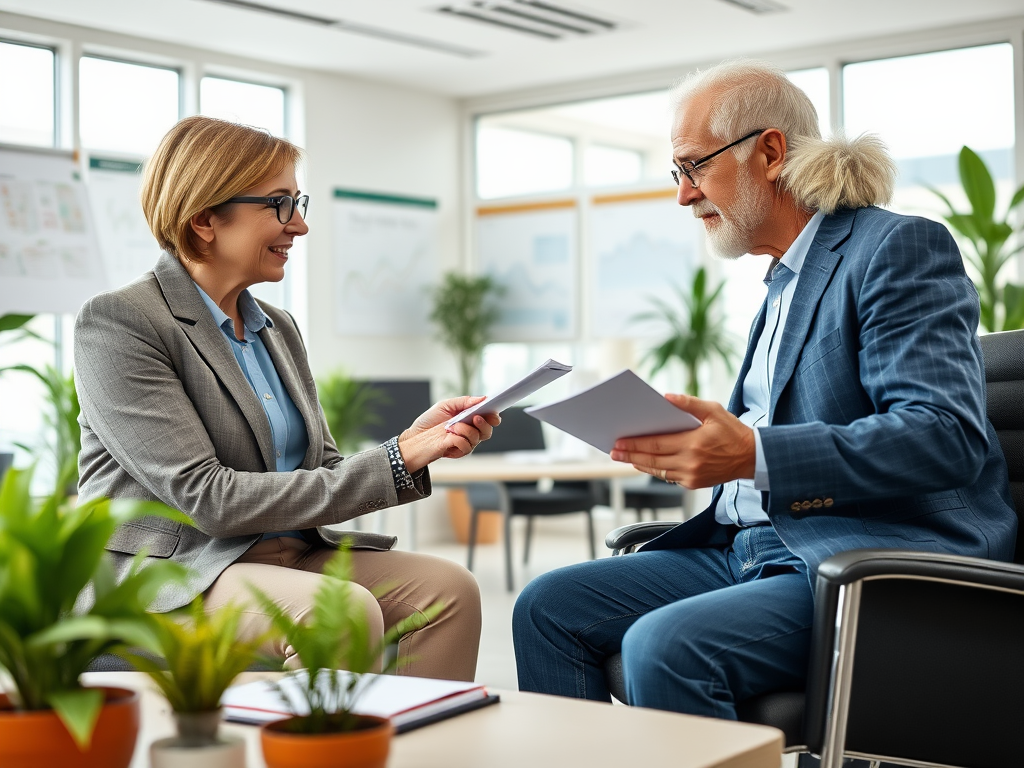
815,275
196,321
285,367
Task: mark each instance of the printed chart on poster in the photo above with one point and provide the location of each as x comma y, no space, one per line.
643,244
531,252
127,247
385,262
49,257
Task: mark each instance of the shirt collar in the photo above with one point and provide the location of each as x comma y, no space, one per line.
253,317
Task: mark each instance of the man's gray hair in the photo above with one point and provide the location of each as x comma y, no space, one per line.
820,174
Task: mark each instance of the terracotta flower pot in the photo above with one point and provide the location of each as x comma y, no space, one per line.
34,739
365,748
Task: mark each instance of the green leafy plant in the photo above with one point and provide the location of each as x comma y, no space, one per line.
464,316
203,654
697,331
985,242
335,636
49,553
349,409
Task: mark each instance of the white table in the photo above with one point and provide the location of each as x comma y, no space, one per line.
525,729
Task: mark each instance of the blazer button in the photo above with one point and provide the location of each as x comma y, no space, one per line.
828,502
805,504
816,503
795,506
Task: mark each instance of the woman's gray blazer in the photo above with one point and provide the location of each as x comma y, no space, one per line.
168,415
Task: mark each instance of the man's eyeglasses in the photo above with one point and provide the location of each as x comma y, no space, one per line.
285,205
689,169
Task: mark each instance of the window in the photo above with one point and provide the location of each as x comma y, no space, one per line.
814,82
958,97
517,162
261,106
125,108
27,101
611,165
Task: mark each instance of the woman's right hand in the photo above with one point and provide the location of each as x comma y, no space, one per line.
428,439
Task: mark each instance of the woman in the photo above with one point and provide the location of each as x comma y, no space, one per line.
198,396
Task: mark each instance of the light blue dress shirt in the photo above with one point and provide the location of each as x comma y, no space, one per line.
740,502
286,424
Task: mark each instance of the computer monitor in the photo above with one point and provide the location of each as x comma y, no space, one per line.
518,431
396,406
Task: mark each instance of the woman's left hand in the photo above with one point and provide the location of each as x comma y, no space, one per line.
428,439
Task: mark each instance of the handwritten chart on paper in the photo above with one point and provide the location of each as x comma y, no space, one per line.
49,258
127,246
531,252
385,260
642,245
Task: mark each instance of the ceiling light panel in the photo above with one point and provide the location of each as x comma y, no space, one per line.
758,6
535,18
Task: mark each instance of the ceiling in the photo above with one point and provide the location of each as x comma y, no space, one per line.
412,42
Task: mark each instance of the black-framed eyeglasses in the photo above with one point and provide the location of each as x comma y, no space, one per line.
689,169
285,205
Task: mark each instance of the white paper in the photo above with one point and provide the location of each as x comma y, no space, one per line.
622,406
402,699
543,375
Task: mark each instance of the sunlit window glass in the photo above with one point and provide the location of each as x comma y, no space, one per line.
261,106
515,162
125,108
26,100
611,165
814,82
959,97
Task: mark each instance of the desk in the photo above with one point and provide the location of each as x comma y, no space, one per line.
525,729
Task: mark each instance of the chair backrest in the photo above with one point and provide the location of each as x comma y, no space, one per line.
518,431
1004,379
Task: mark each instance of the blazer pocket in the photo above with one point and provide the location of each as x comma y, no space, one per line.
911,509
132,538
819,349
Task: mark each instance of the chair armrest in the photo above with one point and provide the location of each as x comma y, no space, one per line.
627,538
856,564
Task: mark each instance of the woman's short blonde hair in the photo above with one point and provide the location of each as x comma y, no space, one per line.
200,163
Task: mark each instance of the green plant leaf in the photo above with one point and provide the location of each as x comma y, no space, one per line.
1018,198
978,185
1013,300
12,322
78,710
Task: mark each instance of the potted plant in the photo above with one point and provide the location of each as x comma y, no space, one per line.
336,636
8,323
697,333
51,555
985,242
464,317
349,409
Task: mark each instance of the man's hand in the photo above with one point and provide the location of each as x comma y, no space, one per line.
720,450
428,439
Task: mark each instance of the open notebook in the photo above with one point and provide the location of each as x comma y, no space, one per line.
410,702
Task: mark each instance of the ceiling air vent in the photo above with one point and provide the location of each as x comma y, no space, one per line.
537,18
758,6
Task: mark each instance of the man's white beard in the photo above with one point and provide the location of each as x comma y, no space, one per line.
733,236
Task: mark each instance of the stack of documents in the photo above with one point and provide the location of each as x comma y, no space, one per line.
622,406
542,376
409,702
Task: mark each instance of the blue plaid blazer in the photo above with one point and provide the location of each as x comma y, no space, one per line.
878,433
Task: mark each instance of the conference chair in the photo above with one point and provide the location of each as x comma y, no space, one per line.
916,658
653,495
521,432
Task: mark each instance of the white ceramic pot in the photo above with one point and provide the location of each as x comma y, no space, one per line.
226,752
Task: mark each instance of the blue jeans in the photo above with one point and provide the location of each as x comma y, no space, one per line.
699,629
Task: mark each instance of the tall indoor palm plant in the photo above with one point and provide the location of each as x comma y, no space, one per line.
697,332
986,243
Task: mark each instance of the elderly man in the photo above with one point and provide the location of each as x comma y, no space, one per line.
858,419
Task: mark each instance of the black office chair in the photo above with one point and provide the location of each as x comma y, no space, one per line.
521,432
916,658
655,494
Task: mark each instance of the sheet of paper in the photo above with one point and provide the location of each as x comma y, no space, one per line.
543,375
622,406
403,699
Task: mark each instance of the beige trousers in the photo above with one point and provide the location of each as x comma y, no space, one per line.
289,571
